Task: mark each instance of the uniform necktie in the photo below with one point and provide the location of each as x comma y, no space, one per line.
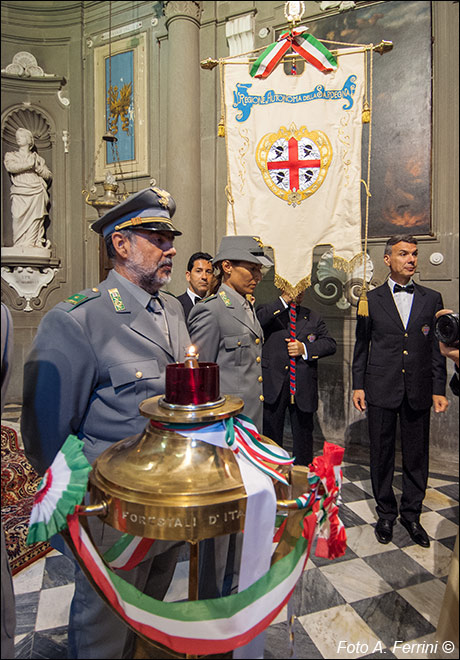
156,307
249,310
409,288
292,334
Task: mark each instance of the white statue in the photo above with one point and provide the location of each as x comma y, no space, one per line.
29,192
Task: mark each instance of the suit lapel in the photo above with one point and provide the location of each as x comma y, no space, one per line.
301,321
388,304
417,305
144,324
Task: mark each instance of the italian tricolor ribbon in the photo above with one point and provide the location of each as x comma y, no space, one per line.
302,43
62,488
197,627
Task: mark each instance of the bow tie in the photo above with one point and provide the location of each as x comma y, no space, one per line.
197,299
409,288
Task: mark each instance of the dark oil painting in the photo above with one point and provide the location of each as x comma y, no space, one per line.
400,180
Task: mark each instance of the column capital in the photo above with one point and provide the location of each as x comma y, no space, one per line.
188,9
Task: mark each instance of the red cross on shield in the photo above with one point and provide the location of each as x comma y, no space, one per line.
294,163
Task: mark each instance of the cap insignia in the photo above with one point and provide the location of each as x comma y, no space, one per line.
116,300
164,196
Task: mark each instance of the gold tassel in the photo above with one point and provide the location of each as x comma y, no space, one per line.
221,128
366,113
363,305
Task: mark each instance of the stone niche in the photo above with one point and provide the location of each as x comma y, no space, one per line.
28,271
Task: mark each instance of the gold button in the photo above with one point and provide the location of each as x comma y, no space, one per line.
286,367
239,343
258,359
260,379
405,334
95,290
404,371
257,340
261,397
405,352
139,374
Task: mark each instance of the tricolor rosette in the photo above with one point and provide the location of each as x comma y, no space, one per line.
61,490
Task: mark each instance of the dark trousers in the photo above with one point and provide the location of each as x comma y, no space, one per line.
301,425
415,431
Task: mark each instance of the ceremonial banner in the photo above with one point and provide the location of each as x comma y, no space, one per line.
294,162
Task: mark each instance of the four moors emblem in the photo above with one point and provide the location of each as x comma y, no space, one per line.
294,163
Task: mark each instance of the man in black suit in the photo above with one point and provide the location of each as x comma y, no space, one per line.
311,343
199,276
398,371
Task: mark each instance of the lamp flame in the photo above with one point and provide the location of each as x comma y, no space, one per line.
191,358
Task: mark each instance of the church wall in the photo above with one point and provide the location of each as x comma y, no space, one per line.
64,38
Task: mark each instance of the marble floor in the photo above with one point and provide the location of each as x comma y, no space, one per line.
367,604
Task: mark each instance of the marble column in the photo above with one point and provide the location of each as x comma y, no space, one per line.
183,178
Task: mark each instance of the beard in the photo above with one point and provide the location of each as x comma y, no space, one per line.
152,282
148,278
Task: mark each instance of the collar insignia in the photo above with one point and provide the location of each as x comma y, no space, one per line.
116,300
225,299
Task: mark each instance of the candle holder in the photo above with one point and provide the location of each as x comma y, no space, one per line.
192,385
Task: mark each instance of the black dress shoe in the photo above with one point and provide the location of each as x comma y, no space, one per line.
384,531
416,532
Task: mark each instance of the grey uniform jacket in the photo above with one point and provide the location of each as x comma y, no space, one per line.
222,332
91,364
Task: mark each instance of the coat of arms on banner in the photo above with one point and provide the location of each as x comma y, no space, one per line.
294,163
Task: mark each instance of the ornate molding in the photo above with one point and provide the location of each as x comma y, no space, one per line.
182,8
25,65
28,282
32,118
333,286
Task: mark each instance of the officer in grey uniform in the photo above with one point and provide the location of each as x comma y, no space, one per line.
95,357
225,330
224,327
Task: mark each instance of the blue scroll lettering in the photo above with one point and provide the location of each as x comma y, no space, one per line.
243,101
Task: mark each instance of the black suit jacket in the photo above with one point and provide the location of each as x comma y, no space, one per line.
389,360
312,331
186,303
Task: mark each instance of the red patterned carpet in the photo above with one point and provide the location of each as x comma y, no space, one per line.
19,484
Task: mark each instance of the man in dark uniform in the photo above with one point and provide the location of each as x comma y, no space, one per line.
95,357
199,275
312,341
398,371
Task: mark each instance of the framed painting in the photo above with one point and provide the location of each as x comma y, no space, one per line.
120,91
400,180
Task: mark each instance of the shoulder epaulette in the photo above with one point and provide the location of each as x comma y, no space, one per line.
78,299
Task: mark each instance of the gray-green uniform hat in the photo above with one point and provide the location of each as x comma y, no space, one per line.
151,208
243,248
